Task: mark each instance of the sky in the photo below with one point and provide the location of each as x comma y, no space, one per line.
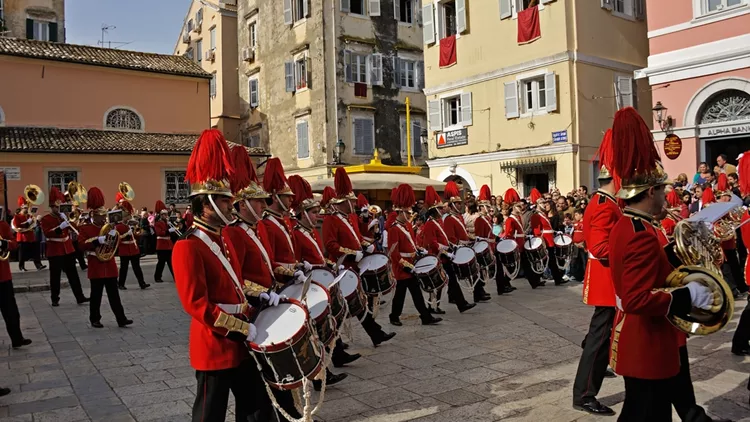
147,25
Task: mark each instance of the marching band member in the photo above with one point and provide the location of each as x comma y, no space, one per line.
8,304
483,230
102,274
731,263
23,225
344,244
514,229
436,242
741,339
542,227
60,251
128,250
403,252
368,223
646,348
455,228
598,291
164,243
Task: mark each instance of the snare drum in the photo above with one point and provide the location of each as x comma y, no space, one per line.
351,289
563,246
318,306
430,273
465,263
285,344
325,278
484,253
509,257
376,274
537,254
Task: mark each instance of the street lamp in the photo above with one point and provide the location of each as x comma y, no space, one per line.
659,112
340,148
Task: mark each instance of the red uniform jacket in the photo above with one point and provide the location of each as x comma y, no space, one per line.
745,232
367,229
514,230
308,247
578,232
644,343
188,219
280,241
483,229
340,237
97,269
668,224
7,236
129,244
206,290
662,234
163,238
402,249
19,222
435,240
543,228
455,229
254,259
600,217
58,240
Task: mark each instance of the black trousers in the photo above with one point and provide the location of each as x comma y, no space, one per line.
738,276
371,327
135,261
502,280
9,309
113,294
741,336
28,251
164,257
531,276
557,273
595,356
252,403
67,264
80,257
416,295
454,290
578,264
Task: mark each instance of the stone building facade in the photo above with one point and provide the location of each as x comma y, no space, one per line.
42,20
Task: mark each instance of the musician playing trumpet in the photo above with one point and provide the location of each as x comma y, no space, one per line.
163,241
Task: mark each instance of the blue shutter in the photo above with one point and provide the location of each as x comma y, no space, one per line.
368,143
289,76
303,145
416,139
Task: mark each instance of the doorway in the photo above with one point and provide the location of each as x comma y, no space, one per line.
732,147
535,180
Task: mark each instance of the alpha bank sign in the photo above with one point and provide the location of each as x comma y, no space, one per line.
741,129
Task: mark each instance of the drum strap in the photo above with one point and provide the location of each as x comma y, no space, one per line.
314,242
460,223
216,249
348,226
283,230
443,232
249,231
408,235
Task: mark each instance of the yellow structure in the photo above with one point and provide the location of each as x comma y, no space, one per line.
529,114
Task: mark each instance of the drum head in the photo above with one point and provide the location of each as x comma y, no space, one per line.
480,246
278,324
563,240
464,255
324,277
533,243
373,262
348,280
317,297
426,264
507,246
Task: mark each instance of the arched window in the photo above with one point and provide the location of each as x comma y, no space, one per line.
123,119
726,106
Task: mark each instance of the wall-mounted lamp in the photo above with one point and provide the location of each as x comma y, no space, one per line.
339,149
665,123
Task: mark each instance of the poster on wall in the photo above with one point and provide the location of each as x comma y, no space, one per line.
672,146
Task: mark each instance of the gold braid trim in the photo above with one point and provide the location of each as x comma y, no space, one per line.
465,242
406,264
253,289
282,270
347,251
232,324
329,262
366,243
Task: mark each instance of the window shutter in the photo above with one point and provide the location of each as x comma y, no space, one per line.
253,93
348,66
289,76
374,7
53,31
550,88
305,8
29,29
505,9
640,9
358,137
397,10
303,146
428,30
416,138
377,69
344,5
420,74
308,69
625,89
368,143
288,18
433,107
396,72
403,137
607,4
460,16
466,112
511,100
634,91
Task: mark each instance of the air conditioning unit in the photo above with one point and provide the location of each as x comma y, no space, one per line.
211,55
248,54
186,37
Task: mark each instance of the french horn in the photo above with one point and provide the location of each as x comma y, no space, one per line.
4,254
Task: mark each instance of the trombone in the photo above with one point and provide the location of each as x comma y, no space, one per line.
65,217
176,230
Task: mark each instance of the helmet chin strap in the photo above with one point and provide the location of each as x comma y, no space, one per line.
307,217
221,214
252,210
283,207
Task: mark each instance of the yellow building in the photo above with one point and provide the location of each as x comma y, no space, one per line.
209,37
529,114
41,20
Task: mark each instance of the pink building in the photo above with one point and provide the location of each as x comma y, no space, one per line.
699,68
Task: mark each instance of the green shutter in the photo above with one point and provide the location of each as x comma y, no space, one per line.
53,31
29,29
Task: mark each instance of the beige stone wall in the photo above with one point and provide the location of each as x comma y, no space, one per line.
15,13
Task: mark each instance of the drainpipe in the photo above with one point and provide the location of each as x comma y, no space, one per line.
334,61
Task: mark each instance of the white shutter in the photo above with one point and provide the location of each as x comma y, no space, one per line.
433,107
511,100
376,69
420,74
374,7
305,8
288,18
624,88
253,93
550,88
344,5
428,30
607,4
289,76
396,72
460,16
348,66
505,9
466,113
397,10
308,69
303,144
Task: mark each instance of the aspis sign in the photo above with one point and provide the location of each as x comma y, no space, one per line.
672,146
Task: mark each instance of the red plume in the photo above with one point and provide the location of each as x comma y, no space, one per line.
484,193
708,196
511,196
96,199
743,172
362,201
391,219
342,183
242,165
431,197
328,194
633,146
722,185
21,201
451,190
673,199
301,188
606,156
159,207
393,194
404,196
274,179
56,196
210,158
535,195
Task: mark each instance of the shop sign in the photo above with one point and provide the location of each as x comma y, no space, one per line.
726,130
672,146
453,138
12,173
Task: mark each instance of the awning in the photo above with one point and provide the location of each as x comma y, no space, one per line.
374,181
529,163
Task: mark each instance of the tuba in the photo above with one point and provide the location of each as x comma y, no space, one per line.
34,196
127,191
77,193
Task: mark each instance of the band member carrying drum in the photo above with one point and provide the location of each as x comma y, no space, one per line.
436,242
542,227
403,252
483,231
514,229
344,244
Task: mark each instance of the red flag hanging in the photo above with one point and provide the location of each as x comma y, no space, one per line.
448,51
528,25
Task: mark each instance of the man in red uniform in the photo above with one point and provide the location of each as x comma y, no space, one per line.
403,253
646,348
8,305
28,248
483,230
598,291
102,274
542,227
345,246
60,250
514,229
164,243
128,250
731,267
741,338
369,225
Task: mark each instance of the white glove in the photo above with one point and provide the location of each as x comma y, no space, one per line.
112,232
272,298
371,249
700,295
307,266
341,268
64,225
299,277
358,256
450,256
171,229
101,239
443,247
29,220
252,333
62,215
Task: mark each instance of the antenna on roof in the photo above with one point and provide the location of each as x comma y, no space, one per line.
105,31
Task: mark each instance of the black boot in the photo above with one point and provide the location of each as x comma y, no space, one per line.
344,359
331,379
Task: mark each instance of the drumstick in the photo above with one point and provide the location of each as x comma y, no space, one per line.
263,305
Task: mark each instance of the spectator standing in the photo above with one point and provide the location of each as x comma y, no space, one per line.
722,166
698,178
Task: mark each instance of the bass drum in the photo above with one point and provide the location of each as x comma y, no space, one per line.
536,253
429,271
509,257
465,265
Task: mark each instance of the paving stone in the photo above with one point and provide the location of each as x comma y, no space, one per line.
478,375
387,397
141,388
69,414
42,385
138,400
458,397
160,410
43,405
343,407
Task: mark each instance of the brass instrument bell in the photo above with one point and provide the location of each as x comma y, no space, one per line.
127,191
78,194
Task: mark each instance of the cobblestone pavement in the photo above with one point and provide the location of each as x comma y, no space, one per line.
513,358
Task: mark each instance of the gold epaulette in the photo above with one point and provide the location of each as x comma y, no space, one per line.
406,264
366,243
329,262
253,289
232,324
281,270
347,251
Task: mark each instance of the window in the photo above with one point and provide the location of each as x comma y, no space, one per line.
416,139
356,67
363,129
300,72
123,119
532,95
448,19
717,5
212,37
254,93
1,10
404,10
2,115
199,50
60,179
625,92
253,31
452,112
356,7
198,18
409,73
303,140
190,25
212,86
295,10
254,139
177,189
628,9
189,53
297,73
